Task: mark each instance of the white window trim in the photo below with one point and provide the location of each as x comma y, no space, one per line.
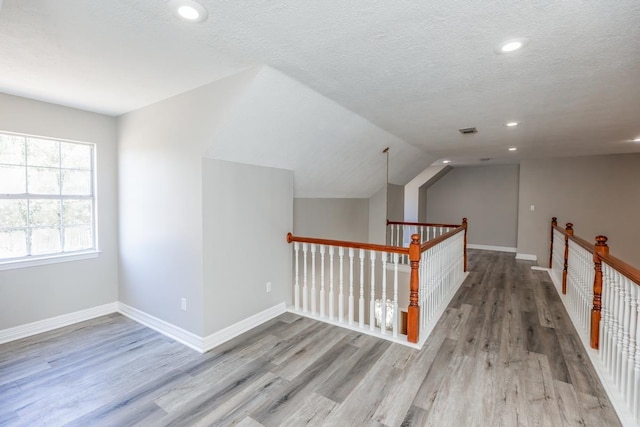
34,261
59,257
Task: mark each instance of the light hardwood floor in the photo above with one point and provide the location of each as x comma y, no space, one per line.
503,354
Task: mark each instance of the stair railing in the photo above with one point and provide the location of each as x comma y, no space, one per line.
359,285
602,296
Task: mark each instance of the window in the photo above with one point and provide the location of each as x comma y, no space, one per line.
47,198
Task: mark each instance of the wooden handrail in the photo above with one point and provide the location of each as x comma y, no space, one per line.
431,243
586,245
580,241
629,271
345,244
422,224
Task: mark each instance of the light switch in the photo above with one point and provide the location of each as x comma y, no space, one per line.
532,208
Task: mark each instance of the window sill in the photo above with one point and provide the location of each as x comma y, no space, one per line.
47,259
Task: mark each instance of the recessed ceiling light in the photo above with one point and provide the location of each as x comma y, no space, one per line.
188,10
511,124
511,45
446,161
513,149
637,139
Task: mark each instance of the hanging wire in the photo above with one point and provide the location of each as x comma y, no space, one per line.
386,151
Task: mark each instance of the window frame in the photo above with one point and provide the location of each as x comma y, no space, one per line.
30,260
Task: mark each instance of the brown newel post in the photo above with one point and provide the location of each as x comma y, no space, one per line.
413,312
554,221
568,231
465,224
601,248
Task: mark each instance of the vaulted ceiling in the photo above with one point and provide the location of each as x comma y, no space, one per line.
418,70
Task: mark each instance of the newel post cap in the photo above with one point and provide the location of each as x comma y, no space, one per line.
601,240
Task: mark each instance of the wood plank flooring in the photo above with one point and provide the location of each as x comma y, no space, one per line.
503,354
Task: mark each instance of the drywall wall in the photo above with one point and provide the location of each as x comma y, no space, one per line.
412,190
333,152
160,209
378,217
598,194
486,195
247,213
37,293
341,219
422,203
395,207
386,204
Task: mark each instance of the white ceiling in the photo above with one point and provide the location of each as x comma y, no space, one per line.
419,70
333,152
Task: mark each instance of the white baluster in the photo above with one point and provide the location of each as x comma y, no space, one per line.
633,324
372,302
351,301
626,318
322,289
383,300
305,289
611,367
296,288
361,297
313,279
620,334
421,234
341,292
635,408
604,335
331,295
395,296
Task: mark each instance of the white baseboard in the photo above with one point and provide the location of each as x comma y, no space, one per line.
242,326
538,268
492,248
46,325
165,328
527,257
174,332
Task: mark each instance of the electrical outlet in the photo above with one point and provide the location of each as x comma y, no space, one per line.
532,208
183,304
268,287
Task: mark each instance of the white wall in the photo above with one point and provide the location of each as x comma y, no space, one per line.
598,194
486,195
334,153
378,217
247,213
37,293
412,190
160,185
340,219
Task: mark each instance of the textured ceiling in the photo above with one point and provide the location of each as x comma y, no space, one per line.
419,70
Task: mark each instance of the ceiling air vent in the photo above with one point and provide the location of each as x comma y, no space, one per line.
466,131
